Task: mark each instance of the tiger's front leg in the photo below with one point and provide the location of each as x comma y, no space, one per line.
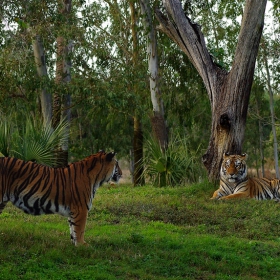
72,234
236,195
77,225
216,194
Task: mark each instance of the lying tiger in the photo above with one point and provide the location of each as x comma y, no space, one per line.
68,191
234,181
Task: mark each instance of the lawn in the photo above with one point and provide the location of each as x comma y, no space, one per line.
147,233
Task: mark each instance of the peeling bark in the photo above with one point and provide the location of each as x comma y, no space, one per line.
159,130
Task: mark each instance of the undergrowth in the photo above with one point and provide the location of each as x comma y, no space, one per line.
147,233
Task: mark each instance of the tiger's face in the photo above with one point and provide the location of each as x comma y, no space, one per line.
117,173
234,168
106,168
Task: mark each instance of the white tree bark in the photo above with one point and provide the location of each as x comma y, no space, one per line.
158,121
40,61
152,57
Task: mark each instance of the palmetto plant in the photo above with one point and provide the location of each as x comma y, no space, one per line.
33,142
174,166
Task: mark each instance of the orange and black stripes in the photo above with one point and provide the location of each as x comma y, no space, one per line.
69,191
234,181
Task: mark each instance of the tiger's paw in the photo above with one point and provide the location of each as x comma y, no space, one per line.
82,244
112,185
215,197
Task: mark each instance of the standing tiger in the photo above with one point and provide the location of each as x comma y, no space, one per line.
68,191
234,181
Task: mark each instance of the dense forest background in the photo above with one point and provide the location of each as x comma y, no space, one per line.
105,86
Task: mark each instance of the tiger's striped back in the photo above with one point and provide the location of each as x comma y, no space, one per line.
68,191
234,181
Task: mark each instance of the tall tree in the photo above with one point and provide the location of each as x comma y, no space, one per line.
45,96
138,179
272,113
62,99
228,92
158,121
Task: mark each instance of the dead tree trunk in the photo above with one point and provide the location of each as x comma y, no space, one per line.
228,92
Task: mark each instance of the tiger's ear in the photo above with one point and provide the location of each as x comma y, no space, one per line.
102,152
245,156
110,156
226,155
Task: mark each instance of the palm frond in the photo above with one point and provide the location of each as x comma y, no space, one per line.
39,143
174,166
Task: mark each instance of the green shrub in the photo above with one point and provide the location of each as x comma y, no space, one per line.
34,141
175,166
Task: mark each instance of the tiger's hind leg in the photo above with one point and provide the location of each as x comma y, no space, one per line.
77,224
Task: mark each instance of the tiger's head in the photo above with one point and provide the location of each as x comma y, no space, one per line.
103,167
114,171
117,173
234,168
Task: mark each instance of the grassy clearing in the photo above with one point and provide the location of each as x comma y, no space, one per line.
147,233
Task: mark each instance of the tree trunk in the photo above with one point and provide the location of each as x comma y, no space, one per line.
138,178
40,61
228,92
157,120
58,81
272,114
66,102
261,142
62,101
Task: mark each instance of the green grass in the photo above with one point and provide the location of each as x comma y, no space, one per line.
147,233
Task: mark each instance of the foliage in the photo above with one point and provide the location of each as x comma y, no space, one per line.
220,23
186,101
177,165
147,233
106,88
4,137
33,142
258,123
